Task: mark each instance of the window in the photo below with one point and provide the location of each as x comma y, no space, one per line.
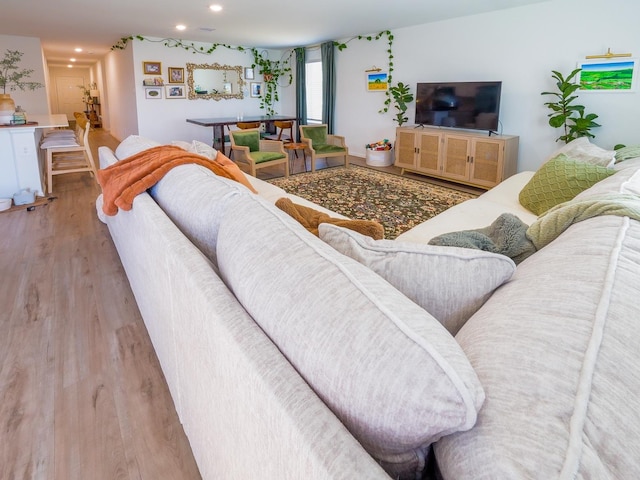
313,72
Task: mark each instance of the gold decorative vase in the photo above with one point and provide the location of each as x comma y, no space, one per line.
7,108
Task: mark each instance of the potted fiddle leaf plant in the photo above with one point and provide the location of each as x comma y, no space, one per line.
565,113
13,77
401,97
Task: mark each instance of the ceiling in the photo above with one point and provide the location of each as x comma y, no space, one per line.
95,26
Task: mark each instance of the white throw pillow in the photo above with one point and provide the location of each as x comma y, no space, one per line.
203,149
182,144
450,283
583,150
134,144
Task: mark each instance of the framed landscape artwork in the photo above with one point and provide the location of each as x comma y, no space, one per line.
377,81
608,75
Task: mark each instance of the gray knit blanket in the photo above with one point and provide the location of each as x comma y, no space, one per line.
506,236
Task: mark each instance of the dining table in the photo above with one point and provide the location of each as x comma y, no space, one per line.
218,124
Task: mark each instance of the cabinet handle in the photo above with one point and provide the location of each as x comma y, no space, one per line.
468,158
471,159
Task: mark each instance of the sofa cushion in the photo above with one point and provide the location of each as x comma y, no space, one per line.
450,283
559,180
134,144
555,351
356,340
194,198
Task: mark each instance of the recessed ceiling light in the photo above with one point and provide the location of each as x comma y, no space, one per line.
72,59
69,66
78,49
181,27
215,8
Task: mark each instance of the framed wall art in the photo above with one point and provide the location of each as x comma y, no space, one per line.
153,92
377,81
255,89
152,68
248,73
608,75
175,91
176,75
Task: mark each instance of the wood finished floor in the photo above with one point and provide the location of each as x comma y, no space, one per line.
82,395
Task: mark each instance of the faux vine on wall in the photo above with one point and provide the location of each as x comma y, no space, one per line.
389,35
272,71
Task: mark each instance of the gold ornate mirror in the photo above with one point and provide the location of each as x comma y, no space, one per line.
214,81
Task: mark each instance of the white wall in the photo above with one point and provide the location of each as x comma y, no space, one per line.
118,95
520,47
165,119
33,102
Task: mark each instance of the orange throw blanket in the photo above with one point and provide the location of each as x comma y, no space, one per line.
310,219
124,180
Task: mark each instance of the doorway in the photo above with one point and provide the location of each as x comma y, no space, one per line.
69,95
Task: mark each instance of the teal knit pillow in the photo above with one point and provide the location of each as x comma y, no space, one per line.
248,139
558,181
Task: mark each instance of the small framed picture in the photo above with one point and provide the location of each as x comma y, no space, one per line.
248,73
227,88
153,92
377,81
175,91
176,75
256,89
152,68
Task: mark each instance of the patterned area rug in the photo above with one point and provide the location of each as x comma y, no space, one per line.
396,202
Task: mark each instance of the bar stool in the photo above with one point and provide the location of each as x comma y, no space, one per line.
67,155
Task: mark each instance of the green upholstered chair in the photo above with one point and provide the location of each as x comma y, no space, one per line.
321,144
248,149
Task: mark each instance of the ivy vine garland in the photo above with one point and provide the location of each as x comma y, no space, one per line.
271,70
389,35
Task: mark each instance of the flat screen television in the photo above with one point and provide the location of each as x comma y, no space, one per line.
472,105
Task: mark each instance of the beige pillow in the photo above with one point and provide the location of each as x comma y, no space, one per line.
583,150
448,282
134,144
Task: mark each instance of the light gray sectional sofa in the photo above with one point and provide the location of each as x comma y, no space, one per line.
288,359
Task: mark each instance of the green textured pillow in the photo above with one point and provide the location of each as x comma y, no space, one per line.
318,135
248,139
558,181
626,153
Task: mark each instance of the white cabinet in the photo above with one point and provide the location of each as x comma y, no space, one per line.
458,156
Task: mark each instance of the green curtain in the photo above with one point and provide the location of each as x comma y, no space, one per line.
301,89
329,85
